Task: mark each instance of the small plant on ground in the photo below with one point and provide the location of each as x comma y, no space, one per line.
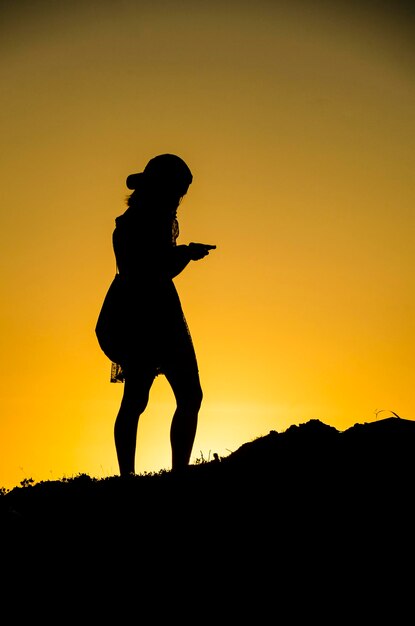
27,482
377,411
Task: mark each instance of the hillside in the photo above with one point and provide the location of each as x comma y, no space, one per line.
370,466
312,511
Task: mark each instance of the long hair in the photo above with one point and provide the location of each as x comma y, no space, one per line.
136,202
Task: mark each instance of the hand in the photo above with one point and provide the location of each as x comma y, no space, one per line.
199,250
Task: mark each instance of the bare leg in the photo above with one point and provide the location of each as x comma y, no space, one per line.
134,401
188,394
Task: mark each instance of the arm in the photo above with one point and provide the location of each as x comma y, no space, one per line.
179,259
182,255
152,256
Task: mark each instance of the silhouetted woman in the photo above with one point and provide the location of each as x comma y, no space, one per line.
152,335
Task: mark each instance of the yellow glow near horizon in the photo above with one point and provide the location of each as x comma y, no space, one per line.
298,126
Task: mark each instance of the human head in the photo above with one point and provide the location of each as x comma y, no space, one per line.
165,174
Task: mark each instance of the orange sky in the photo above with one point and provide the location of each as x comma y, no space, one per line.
299,127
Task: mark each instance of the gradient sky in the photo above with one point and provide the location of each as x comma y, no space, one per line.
298,122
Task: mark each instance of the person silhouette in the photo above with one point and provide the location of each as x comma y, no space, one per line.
148,329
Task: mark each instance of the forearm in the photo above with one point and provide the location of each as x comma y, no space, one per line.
179,258
181,255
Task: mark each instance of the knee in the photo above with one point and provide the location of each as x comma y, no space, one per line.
192,401
136,394
134,403
198,398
